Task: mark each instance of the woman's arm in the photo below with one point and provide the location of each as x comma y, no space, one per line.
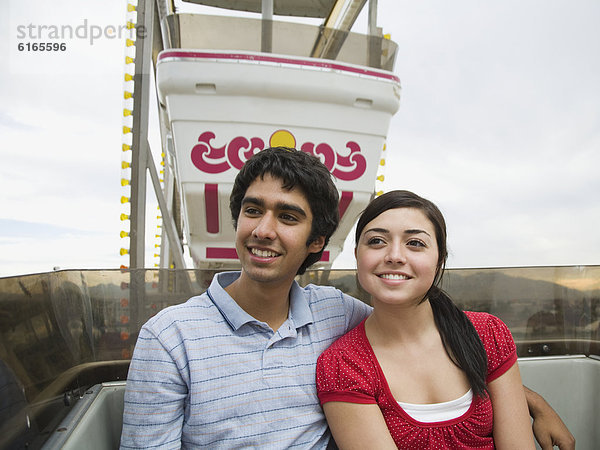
357,426
548,427
512,426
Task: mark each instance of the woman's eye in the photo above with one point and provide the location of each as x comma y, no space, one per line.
375,241
416,243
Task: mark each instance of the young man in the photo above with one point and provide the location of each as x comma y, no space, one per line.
235,366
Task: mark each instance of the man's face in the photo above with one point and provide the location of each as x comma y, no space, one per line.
273,227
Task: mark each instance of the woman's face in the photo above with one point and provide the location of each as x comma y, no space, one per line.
397,256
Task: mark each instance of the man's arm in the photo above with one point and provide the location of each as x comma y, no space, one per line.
154,397
548,428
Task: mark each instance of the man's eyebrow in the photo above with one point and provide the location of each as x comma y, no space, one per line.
253,200
282,206
290,207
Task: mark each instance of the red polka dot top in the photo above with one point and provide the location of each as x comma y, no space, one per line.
348,371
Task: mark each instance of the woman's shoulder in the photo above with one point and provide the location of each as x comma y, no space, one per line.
482,320
352,341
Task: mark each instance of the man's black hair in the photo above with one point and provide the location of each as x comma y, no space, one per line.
300,170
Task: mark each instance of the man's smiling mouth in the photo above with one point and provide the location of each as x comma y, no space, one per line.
263,253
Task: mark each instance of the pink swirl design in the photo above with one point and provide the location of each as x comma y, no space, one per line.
239,143
354,160
324,150
203,151
209,159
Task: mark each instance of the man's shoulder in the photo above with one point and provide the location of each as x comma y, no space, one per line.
320,292
195,308
330,302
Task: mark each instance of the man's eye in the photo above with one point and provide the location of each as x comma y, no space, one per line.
251,211
288,218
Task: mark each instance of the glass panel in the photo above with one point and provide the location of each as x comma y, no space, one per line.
199,31
62,332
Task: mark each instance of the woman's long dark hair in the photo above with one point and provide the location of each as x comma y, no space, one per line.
459,337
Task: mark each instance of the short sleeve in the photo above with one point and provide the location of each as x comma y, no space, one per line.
344,377
498,342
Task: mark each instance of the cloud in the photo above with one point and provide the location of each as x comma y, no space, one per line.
10,228
9,122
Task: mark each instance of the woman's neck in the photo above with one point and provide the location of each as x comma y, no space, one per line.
394,324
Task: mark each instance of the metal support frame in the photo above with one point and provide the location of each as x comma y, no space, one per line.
374,48
266,42
142,164
139,146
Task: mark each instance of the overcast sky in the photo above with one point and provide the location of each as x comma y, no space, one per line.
499,124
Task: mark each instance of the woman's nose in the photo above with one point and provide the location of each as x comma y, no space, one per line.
395,254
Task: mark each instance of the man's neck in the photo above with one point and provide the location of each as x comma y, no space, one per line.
266,302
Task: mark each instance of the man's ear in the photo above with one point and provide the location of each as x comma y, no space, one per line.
317,245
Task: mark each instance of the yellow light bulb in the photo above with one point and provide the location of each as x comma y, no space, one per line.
125,165
379,193
156,255
387,36
123,251
124,199
158,217
126,146
124,216
123,234
130,7
124,182
129,60
128,77
382,162
156,245
127,95
130,25
127,112
125,131
129,43
380,178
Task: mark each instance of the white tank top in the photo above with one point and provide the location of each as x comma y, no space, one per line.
439,412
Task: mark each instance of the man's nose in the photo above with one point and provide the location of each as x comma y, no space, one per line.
265,228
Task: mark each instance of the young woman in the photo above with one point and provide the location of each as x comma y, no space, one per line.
418,372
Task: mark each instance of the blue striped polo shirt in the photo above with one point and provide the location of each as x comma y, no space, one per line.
207,374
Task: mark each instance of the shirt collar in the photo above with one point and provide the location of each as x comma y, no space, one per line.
299,314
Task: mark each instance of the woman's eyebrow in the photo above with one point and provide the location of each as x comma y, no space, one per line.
377,230
416,231
386,231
